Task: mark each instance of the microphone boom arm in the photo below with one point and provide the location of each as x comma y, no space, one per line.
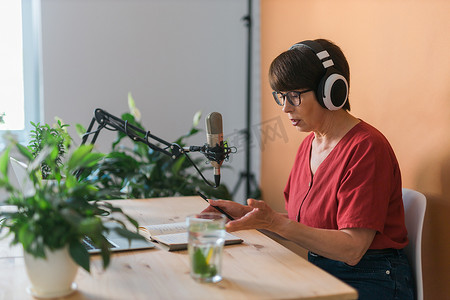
113,123
137,134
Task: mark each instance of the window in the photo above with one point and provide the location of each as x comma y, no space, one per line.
20,74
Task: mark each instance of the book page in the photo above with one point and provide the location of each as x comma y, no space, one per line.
160,229
179,241
173,239
175,235
182,238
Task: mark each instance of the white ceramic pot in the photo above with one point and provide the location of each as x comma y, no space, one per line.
53,276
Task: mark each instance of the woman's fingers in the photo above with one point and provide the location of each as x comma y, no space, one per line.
256,203
256,215
234,209
259,217
209,209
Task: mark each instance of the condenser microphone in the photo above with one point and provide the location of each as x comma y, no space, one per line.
214,138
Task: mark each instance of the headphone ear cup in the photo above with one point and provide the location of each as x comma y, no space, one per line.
332,92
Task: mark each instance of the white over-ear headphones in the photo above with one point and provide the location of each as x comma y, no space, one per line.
332,91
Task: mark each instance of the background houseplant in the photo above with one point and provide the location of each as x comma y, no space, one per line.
61,212
58,135
140,172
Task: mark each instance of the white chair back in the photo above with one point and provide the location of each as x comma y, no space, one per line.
415,205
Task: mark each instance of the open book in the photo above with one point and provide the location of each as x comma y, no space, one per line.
175,235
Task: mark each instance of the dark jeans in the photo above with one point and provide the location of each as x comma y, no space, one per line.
377,276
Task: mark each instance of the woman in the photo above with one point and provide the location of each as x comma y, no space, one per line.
343,197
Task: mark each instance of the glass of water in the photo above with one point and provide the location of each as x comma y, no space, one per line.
205,245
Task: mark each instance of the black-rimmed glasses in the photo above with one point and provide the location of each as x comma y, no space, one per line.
293,97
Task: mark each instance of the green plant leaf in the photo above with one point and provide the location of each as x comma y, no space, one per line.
90,159
25,151
80,130
80,255
106,258
77,156
132,107
193,131
4,159
133,222
199,264
196,119
178,164
25,236
92,226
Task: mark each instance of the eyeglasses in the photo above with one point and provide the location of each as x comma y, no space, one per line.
293,97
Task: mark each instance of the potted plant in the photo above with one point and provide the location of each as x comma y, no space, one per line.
59,134
51,222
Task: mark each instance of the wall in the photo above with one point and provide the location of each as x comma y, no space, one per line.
400,70
176,57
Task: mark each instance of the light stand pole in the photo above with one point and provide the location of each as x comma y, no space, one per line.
248,175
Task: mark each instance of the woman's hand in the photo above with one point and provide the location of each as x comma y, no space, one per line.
257,215
234,209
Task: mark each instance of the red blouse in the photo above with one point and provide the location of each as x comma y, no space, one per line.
358,185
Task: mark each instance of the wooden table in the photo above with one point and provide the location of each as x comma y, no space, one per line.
260,268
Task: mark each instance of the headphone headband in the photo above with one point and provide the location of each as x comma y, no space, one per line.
322,54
